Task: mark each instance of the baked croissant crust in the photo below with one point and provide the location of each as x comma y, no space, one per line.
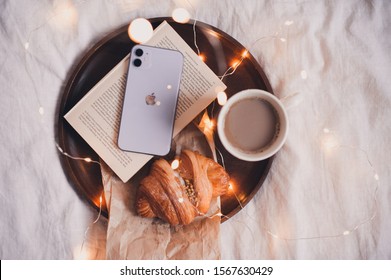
178,196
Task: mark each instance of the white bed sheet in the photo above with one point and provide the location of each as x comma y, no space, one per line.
328,194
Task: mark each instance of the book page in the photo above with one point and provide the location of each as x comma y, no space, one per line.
96,117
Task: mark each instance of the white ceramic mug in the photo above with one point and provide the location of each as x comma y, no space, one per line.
280,121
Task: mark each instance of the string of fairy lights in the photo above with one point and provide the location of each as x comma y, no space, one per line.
140,30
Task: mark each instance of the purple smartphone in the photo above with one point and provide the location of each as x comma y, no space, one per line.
152,90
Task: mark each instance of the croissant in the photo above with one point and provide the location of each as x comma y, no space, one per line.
178,196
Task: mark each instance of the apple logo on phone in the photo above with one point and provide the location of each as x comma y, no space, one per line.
150,99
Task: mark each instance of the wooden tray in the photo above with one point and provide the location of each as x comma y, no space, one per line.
220,51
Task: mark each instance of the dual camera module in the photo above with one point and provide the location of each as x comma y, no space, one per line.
137,62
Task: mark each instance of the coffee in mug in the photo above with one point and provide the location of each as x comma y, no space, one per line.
252,125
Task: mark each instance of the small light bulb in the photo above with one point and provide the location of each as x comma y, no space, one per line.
222,98
181,15
87,159
245,53
175,164
100,199
41,111
209,124
346,232
235,63
140,30
376,176
202,57
169,86
26,45
180,200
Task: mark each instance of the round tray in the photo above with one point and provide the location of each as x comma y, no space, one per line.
220,50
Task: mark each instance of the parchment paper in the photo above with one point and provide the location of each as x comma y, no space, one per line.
132,237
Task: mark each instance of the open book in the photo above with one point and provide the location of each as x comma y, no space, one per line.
96,117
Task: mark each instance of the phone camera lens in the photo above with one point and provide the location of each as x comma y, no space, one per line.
139,52
137,62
